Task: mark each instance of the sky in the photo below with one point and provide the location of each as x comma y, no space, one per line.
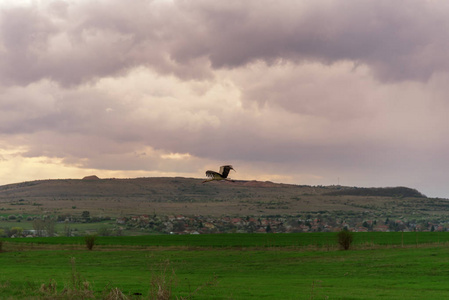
306,92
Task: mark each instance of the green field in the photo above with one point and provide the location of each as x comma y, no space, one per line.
80,229
325,240
232,266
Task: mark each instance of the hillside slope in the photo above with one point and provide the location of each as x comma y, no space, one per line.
189,196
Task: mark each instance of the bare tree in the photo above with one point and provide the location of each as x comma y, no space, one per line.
49,225
44,227
39,227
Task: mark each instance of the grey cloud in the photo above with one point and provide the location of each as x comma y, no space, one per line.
63,41
24,35
397,42
44,107
335,93
330,120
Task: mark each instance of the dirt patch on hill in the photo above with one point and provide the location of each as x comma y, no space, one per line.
91,177
255,183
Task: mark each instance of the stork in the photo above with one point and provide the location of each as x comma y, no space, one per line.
222,175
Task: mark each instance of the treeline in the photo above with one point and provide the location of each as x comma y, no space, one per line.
398,192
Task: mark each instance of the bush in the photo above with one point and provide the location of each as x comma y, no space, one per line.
163,282
345,239
90,241
76,288
104,231
16,231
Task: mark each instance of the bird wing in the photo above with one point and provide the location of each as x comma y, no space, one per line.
224,170
212,174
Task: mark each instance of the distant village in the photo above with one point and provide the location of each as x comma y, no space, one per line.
181,224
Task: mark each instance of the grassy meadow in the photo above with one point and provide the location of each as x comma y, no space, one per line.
228,266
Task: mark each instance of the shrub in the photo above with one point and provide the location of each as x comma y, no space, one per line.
76,288
162,282
1,246
104,231
115,294
90,241
345,239
17,231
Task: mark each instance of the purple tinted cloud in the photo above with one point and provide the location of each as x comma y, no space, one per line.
354,89
63,41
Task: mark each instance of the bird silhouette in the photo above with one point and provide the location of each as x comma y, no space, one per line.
222,175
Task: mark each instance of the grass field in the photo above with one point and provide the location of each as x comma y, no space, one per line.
233,266
76,228
325,240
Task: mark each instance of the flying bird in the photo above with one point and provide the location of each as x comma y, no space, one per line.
222,175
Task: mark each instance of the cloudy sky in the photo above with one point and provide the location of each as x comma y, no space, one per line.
305,92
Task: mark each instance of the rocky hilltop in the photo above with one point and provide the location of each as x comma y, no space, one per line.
189,196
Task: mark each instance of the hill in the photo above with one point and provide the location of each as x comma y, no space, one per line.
379,192
189,196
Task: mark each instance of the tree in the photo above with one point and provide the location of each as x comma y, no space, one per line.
85,215
17,231
179,226
90,241
45,227
49,225
345,239
67,229
268,229
104,231
38,226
